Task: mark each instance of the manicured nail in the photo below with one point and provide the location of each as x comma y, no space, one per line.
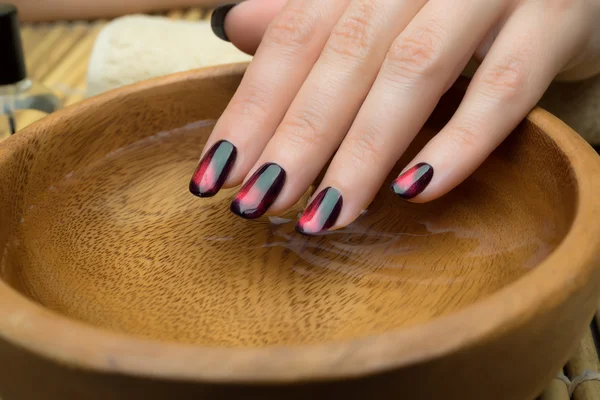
213,169
413,181
259,192
321,213
217,20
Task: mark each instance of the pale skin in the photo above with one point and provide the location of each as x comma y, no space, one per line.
352,82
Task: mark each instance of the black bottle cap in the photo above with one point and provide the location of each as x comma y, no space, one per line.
12,66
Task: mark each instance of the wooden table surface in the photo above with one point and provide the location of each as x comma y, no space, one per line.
57,55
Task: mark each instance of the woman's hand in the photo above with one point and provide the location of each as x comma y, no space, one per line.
356,80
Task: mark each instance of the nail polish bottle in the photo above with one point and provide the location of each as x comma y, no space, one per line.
21,99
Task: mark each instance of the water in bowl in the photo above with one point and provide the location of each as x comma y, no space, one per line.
121,244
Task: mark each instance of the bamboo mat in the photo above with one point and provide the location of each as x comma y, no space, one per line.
57,55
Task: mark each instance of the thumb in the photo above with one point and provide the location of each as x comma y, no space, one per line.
244,24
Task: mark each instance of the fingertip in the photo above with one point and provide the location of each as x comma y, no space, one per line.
410,184
217,20
245,24
322,212
425,197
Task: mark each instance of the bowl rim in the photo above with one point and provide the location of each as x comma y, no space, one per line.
26,324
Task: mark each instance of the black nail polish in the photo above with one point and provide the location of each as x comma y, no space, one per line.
217,20
213,169
413,181
259,192
321,213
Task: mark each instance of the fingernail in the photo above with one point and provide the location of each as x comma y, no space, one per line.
259,192
213,169
217,20
321,213
413,181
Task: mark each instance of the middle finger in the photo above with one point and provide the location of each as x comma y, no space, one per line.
327,102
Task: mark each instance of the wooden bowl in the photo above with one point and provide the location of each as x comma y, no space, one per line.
117,283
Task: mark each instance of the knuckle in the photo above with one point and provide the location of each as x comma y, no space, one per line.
563,5
363,148
417,55
505,79
353,35
303,129
464,136
253,102
294,27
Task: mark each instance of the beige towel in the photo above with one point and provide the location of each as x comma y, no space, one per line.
134,48
138,47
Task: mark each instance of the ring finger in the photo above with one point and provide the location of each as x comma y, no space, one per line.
424,59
